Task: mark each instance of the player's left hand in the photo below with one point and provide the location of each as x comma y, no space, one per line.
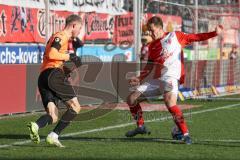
77,43
219,29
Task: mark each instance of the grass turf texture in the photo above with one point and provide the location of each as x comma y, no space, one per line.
215,134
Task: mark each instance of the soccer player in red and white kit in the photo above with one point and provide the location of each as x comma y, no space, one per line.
165,51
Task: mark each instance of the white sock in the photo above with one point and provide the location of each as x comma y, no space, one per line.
54,135
186,134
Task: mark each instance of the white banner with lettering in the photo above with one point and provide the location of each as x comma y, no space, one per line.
113,7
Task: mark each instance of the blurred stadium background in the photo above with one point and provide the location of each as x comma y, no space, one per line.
112,33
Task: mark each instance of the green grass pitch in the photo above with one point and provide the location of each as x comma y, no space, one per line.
214,128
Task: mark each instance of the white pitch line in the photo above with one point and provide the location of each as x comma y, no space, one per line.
219,140
123,125
15,144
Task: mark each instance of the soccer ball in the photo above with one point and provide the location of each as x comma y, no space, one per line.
176,133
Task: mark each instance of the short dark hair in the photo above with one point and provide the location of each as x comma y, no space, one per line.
157,21
73,18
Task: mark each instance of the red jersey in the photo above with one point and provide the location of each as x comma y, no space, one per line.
167,51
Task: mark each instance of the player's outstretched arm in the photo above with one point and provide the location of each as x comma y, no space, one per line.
186,39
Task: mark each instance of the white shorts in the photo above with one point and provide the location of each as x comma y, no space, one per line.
156,87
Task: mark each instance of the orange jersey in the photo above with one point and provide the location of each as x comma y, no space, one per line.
56,51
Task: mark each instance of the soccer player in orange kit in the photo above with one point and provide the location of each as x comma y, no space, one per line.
52,82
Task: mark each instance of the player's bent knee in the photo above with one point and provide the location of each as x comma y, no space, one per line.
54,118
76,108
131,100
74,104
170,99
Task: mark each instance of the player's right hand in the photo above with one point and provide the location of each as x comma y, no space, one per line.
134,81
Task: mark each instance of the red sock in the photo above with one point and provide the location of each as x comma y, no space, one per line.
137,114
178,118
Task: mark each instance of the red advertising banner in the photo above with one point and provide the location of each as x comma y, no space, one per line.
57,21
98,26
124,25
123,28
19,24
